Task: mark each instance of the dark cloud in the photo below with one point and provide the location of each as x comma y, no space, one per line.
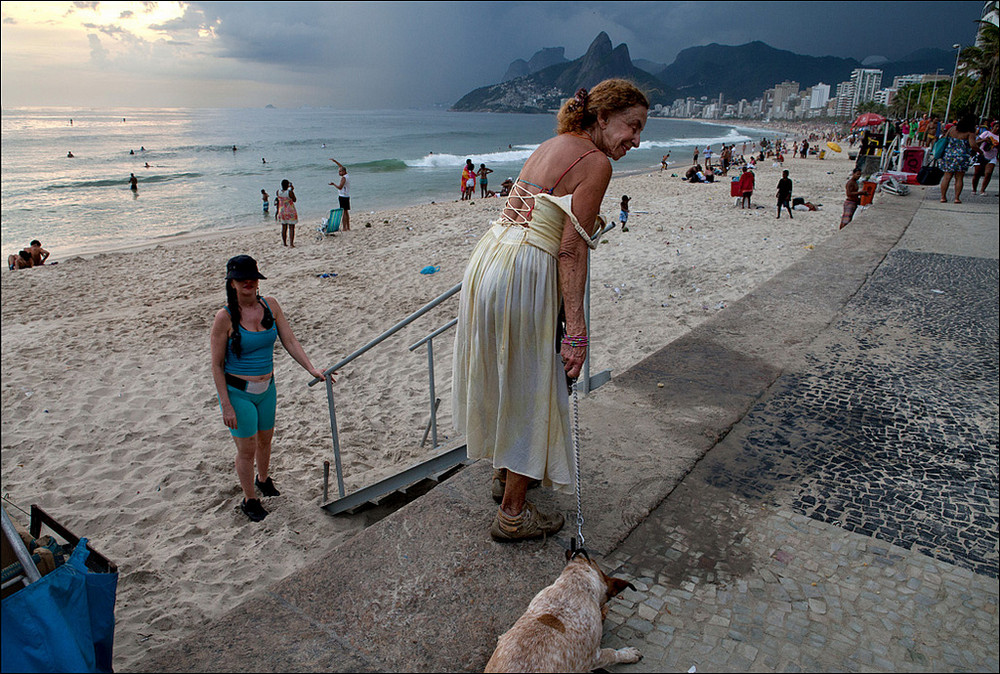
425,53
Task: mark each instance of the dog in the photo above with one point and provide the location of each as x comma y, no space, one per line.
561,630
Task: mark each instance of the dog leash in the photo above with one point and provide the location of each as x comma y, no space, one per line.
576,452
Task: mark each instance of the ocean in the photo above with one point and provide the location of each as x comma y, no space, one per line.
191,180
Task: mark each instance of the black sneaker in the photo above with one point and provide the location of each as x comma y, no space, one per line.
253,509
267,487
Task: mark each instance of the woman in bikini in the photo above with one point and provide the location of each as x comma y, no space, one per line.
510,393
242,339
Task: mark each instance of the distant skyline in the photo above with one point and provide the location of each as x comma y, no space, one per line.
400,54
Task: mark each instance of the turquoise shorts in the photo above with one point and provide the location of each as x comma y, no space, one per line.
254,413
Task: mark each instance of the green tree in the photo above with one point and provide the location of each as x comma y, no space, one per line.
979,64
872,106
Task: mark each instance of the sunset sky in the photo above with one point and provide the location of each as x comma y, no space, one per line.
389,54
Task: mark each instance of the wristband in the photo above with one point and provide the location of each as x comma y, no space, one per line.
575,340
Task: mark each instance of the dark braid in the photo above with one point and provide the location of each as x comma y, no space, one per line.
234,314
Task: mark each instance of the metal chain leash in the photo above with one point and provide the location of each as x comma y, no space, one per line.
576,452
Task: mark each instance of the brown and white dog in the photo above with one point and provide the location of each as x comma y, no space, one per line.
561,630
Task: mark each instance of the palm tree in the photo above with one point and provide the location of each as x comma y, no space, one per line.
981,63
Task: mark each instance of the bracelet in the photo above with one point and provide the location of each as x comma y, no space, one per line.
575,340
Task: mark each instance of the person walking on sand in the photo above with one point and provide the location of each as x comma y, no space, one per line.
853,200
784,194
286,213
510,386
482,173
343,194
623,215
242,340
746,187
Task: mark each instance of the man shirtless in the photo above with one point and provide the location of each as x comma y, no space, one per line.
38,254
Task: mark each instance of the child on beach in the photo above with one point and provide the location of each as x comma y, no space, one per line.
623,217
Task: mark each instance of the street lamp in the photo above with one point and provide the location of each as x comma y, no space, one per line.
953,77
934,92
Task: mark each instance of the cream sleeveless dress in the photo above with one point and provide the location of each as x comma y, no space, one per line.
510,394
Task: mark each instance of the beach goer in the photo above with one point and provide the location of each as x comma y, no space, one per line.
623,216
746,187
958,154
665,162
242,339
784,194
853,200
506,186
510,386
286,214
267,201
988,141
804,149
70,155
343,194
133,183
708,157
694,160
19,260
483,180
38,254
468,180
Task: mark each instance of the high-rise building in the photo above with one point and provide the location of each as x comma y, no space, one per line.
845,99
820,95
866,82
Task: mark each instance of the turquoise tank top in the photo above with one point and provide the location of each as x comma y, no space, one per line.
257,350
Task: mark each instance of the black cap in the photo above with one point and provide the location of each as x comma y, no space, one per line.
241,268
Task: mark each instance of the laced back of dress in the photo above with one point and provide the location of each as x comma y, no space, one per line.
520,204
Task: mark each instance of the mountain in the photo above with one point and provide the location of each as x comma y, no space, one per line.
546,89
542,59
743,71
747,70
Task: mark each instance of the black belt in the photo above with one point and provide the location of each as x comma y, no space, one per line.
236,382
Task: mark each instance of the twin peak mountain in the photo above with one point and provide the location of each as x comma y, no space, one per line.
541,84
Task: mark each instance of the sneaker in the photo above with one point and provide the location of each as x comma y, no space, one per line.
253,509
530,524
267,487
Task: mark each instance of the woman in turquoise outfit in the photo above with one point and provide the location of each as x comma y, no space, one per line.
510,395
242,339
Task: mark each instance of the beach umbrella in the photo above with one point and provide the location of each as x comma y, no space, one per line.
833,146
868,119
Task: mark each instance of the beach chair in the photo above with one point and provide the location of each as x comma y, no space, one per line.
331,224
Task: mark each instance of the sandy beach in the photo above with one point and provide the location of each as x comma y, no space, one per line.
110,419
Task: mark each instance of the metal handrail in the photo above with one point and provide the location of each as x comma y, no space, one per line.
389,333
429,341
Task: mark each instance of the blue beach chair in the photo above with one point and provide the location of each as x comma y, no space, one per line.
331,224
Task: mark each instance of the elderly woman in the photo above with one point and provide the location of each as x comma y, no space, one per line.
242,339
510,392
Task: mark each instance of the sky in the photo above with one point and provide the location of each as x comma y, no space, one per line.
373,55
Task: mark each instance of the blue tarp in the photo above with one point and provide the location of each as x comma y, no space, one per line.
64,622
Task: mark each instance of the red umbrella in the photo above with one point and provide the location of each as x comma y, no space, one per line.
868,119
